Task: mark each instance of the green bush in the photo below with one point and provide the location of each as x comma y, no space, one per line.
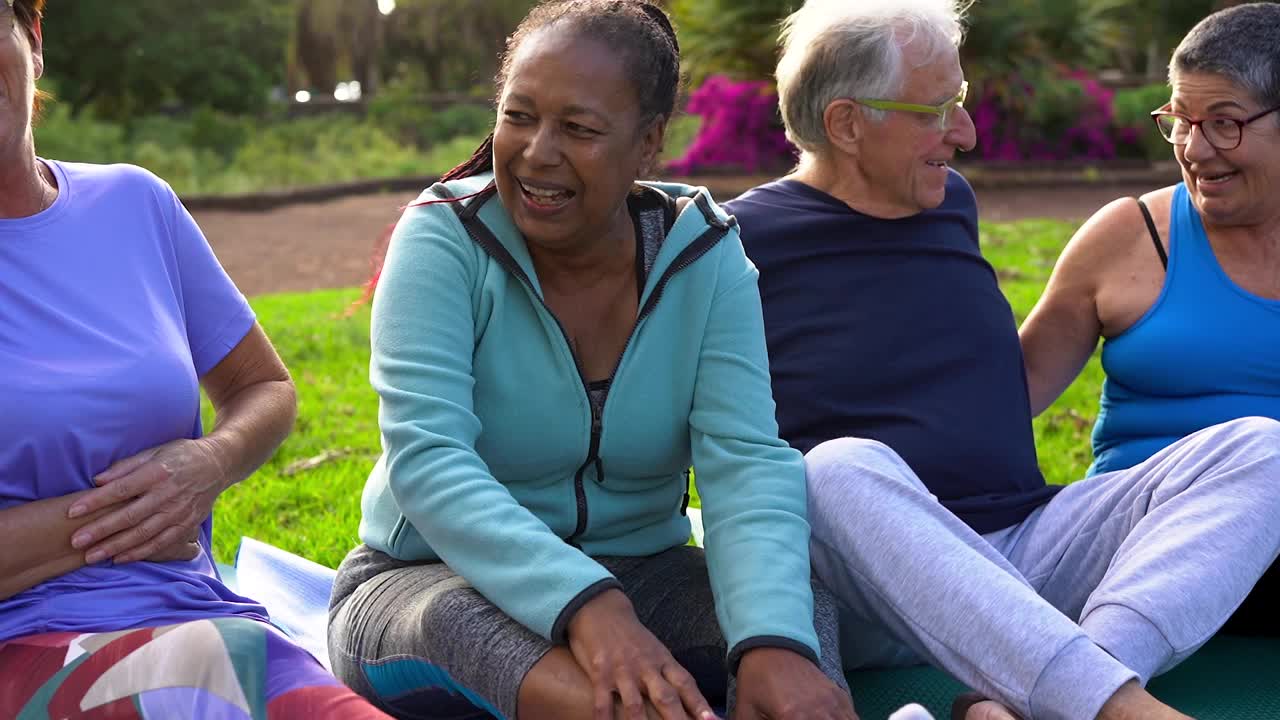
1056,105
222,133
455,121
215,153
399,110
166,131
1133,112
415,123
737,38
447,155
399,115
61,137
126,59
1006,38
324,150
189,170
680,134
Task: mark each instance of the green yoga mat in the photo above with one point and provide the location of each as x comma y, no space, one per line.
1230,678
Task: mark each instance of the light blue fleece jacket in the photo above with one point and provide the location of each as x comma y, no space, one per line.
490,462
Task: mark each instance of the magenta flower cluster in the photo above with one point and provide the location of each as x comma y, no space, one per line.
740,130
1051,116
1080,130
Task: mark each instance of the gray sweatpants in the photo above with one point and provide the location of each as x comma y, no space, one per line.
1118,577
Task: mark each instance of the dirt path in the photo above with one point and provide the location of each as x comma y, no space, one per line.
326,245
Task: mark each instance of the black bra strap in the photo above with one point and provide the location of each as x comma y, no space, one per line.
1155,235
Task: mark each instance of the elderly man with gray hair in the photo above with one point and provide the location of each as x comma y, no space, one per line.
897,370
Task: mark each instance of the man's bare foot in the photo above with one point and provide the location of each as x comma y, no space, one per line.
973,706
1133,702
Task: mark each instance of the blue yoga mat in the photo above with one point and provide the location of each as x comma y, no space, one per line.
294,590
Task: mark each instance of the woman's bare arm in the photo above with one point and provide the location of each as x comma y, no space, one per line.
1063,329
37,541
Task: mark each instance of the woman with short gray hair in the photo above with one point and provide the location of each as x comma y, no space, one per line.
1183,284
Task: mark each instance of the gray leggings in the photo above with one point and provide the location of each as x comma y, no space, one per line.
420,642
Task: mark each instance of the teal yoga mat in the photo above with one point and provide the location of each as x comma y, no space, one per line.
1230,678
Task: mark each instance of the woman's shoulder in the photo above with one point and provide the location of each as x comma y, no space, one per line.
1112,261
1120,226
444,205
432,226
457,189
703,225
674,189
117,176
696,197
1160,204
441,206
91,190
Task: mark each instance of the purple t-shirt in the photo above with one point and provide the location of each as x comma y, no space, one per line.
112,306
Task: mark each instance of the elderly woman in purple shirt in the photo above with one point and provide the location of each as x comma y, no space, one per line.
113,314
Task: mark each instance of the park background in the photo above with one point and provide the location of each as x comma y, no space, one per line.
295,130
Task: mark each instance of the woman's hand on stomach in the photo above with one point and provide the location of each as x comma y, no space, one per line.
624,660
161,496
188,549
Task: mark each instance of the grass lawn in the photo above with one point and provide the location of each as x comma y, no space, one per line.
307,498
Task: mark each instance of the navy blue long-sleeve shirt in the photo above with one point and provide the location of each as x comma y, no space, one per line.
896,330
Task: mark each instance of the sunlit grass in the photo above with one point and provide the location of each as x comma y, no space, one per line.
1023,254
307,499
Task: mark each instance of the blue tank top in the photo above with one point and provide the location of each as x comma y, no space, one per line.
1207,351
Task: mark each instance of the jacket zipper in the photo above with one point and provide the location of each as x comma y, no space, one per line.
687,257
699,247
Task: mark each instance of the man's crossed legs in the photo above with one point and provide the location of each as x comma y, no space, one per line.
1118,578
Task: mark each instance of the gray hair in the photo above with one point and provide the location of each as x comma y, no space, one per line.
835,49
1242,44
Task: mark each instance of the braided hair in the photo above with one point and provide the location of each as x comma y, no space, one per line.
638,30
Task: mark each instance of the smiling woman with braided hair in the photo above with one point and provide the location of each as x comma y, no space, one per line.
554,343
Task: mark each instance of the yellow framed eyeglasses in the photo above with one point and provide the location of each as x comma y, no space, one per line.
942,111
